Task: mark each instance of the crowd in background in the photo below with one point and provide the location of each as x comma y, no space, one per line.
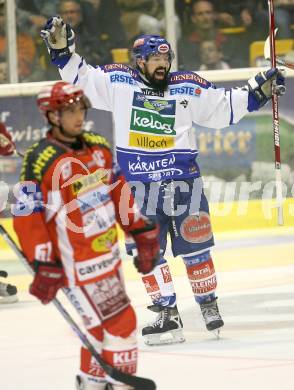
211,34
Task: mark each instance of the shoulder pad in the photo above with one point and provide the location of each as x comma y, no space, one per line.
188,77
37,160
114,67
119,68
93,139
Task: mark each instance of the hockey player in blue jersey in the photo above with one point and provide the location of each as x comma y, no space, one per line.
154,111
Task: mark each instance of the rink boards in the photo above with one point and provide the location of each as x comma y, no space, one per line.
243,241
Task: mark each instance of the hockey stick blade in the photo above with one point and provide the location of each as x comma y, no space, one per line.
138,383
267,54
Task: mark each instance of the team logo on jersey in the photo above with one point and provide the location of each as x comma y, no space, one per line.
96,267
184,103
186,90
152,166
93,198
157,105
85,182
164,107
105,241
99,220
122,78
150,141
150,122
188,77
196,228
152,92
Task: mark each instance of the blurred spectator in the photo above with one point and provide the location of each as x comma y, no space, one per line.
140,16
183,10
206,26
87,45
211,57
203,28
28,67
229,12
255,22
3,71
103,21
34,13
284,18
43,8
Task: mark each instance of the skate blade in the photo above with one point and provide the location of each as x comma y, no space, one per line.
9,299
170,337
216,333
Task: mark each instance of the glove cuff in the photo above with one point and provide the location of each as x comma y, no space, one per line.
60,57
36,264
150,225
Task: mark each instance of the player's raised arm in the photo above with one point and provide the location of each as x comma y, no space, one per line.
60,41
224,107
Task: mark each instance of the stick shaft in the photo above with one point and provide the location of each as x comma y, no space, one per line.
276,123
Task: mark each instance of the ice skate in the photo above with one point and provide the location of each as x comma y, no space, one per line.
166,329
8,293
109,386
211,316
81,384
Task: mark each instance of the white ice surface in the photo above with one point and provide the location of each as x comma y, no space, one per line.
255,352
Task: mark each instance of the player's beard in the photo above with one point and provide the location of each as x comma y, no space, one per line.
160,84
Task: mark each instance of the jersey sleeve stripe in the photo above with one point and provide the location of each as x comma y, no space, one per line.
79,67
231,106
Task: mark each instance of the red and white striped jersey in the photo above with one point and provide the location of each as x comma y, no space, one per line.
69,200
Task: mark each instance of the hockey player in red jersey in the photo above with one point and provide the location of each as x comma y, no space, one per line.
70,198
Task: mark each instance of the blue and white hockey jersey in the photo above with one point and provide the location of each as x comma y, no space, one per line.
154,136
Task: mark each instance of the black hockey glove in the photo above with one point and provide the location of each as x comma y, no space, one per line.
260,88
59,39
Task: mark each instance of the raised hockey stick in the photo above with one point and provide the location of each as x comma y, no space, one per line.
138,383
267,54
276,124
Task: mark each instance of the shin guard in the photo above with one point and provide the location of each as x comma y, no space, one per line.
202,277
116,341
159,285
